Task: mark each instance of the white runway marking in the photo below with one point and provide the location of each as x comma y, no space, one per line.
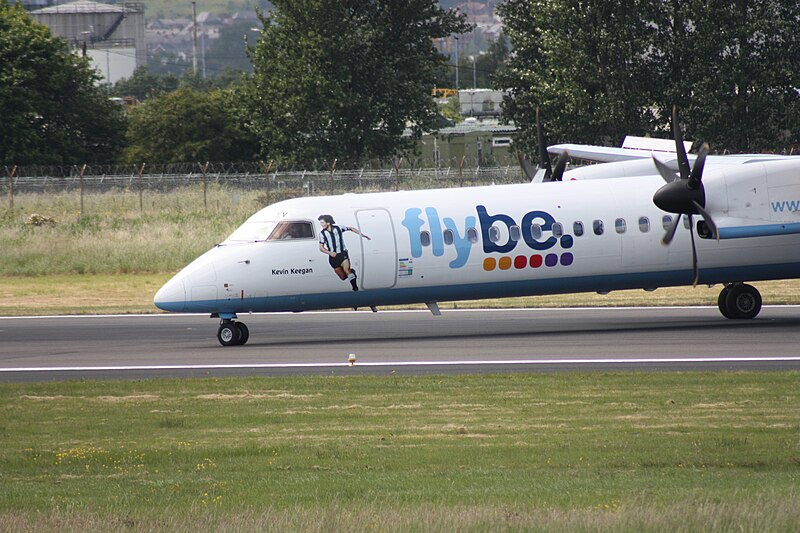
266,366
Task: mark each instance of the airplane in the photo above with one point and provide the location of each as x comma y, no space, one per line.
647,215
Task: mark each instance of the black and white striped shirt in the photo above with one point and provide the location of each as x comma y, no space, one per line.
332,239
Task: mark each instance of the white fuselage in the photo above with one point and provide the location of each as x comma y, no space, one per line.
496,241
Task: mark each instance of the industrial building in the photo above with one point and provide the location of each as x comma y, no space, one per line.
112,34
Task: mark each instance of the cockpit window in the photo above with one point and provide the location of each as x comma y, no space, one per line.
292,230
251,232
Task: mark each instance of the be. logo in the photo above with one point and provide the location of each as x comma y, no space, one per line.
464,236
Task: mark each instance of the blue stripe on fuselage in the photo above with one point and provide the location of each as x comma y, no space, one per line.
767,230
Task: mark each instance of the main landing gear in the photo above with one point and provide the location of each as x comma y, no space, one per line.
232,333
739,300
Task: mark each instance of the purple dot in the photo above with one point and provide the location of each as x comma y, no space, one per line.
566,259
551,260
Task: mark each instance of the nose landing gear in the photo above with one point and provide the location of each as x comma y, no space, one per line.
231,333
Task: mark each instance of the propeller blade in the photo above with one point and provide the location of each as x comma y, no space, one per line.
697,168
561,164
707,217
666,172
680,149
526,166
667,238
695,270
544,157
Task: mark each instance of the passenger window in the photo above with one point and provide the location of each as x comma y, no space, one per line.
536,231
558,229
472,235
292,230
448,236
514,233
666,221
494,234
597,227
644,224
620,226
425,238
686,222
577,228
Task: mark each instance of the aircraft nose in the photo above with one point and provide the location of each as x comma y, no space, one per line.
172,296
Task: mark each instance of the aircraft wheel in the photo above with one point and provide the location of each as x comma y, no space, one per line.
229,334
743,301
721,302
244,333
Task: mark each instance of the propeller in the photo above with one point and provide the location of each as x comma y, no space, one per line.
684,193
551,173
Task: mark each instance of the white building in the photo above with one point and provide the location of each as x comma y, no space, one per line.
480,102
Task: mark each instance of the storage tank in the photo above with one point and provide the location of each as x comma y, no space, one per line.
113,33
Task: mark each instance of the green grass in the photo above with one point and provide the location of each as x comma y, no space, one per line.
113,235
549,452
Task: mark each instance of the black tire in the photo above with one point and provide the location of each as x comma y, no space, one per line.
721,302
228,334
244,333
743,302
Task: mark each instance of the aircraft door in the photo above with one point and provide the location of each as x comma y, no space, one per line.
379,263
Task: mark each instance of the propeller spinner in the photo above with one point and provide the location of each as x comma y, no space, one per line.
684,193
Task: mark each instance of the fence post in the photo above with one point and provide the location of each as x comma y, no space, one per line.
461,171
11,186
80,178
333,169
396,162
141,188
203,169
266,178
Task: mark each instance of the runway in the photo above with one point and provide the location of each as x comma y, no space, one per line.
99,347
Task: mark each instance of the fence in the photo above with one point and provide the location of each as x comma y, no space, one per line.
276,184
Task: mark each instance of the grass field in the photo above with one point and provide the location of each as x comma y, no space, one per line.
112,234
518,452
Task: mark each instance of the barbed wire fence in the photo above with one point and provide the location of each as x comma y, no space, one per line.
268,178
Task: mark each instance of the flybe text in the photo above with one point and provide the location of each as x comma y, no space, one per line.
462,235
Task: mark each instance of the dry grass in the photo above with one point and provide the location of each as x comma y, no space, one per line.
682,516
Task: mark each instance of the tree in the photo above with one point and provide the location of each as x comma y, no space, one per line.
482,71
582,63
51,107
490,62
602,70
344,80
734,70
188,126
143,84
230,50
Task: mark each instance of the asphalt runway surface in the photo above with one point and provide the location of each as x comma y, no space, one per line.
406,342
